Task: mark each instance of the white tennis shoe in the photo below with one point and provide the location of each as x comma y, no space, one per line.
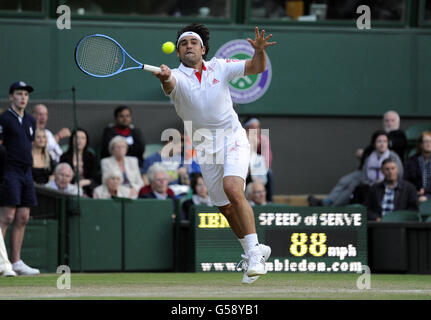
24,270
8,273
266,252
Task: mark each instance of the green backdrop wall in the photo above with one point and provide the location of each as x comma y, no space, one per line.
316,71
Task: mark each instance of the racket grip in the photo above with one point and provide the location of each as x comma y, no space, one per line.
149,68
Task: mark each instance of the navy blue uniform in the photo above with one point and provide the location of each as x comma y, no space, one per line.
17,135
2,161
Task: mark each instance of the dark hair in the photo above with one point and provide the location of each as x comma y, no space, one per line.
201,30
419,147
120,109
71,149
388,160
194,180
376,134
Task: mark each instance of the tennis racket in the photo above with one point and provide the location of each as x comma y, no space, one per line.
101,56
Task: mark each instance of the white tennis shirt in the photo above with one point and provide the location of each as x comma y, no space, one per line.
207,103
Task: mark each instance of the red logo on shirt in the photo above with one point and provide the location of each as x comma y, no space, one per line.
215,81
232,60
235,147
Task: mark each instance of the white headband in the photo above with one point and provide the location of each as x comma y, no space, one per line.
190,33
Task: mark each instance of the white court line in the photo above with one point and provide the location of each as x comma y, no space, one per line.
183,292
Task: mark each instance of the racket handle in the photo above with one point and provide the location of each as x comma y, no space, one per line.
149,68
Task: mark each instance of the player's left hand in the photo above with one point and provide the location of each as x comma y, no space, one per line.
260,42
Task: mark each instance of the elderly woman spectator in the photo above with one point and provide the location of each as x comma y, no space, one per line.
63,175
200,194
43,165
112,187
128,166
84,162
418,167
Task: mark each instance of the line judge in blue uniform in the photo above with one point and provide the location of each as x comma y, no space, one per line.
17,192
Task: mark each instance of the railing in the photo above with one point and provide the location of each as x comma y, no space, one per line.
410,13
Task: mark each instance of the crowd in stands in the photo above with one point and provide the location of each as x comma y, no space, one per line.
388,178
383,181
166,174
65,162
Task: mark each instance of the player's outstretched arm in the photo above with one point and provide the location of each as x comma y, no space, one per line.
258,63
166,78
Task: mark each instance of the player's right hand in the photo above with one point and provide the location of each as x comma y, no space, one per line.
164,74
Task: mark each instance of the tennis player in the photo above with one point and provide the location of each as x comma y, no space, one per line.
200,92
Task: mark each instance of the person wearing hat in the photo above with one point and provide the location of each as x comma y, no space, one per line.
17,194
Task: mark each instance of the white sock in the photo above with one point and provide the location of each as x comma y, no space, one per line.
252,244
243,245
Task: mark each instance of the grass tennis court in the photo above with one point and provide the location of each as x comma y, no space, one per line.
197,286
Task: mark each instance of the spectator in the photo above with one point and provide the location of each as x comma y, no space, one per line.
158,187
171,157
418,167
263,146
86,161
256,193
123,126
392,194
112,187
43,165
372,169
341,194
260,143
397,137
17,193
127,165
63,175
189,155
40,113
200,195
257,169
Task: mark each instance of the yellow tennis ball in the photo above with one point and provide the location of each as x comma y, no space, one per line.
168,47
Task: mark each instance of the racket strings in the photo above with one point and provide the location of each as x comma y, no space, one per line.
99,56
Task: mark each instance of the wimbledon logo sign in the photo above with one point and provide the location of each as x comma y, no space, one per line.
249,88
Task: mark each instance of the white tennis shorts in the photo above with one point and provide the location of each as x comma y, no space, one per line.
236,161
